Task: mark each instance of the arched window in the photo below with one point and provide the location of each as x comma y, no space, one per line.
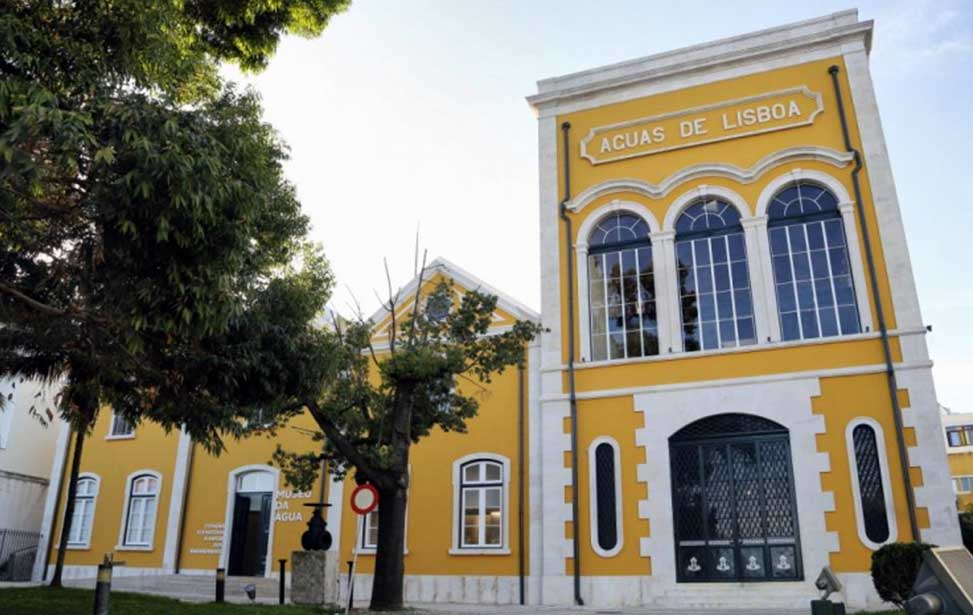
621,289
606,498
143,499
714,284
84,512
815,291
481,496
870,483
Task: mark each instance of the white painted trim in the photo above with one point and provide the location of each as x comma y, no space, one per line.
723,104
231,482
581,250
126,505
534,475
883,464
83,546
668,311
616,205
177,499
699,192
333,513
796,175
710,169
465,279
957,477
739,349
702,63
787,403
875,368
456,526
593,497
762,286
53,491
111,425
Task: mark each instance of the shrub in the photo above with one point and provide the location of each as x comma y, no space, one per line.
966,527
894,570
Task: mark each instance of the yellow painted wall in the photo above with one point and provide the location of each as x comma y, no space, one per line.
961,464
841,401
616,418
114,461
841,398
209,495
743,152
430,521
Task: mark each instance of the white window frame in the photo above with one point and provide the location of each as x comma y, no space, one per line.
457,522
86,544
593,497
121,436
123,527
883,463
958,479
846,207
661,248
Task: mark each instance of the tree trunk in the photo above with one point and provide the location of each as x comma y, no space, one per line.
82,430
389,562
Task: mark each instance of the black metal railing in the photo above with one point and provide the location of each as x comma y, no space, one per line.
17,551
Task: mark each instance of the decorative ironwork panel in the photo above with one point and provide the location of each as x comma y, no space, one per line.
723,425
733,501
606,493
870,487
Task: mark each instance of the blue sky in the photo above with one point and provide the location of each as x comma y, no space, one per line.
412,114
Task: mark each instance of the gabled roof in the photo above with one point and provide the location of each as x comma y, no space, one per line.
469,282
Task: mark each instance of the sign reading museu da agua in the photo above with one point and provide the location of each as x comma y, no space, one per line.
720,121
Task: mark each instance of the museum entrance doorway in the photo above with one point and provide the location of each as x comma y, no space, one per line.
250,532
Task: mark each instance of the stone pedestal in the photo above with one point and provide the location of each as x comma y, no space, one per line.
314,578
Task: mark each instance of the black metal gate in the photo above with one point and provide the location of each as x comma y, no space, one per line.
733,501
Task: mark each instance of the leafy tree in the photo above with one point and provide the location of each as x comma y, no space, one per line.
377,403
146,228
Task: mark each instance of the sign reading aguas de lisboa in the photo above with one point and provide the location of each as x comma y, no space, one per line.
707,124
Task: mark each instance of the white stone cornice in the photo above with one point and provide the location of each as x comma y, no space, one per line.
710,169
835,30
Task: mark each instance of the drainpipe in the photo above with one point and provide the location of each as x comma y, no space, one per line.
572,396
520,479
879,312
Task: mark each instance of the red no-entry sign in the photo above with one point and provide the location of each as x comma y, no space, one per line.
364,499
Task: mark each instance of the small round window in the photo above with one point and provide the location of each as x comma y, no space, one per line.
437,307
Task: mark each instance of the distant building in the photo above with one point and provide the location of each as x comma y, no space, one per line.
959,448
27,448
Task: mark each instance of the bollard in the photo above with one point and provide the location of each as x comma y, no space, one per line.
283,575
351,584
103,588
220,583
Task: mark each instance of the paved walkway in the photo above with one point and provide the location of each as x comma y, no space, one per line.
201,589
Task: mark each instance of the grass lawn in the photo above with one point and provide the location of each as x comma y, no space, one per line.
47,601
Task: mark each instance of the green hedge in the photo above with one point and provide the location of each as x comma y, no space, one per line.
894,570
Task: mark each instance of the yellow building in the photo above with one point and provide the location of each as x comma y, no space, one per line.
959,448
732,391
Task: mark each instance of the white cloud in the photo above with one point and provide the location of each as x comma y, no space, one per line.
911,34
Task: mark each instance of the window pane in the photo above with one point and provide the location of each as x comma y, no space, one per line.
871,489
492,472
471,473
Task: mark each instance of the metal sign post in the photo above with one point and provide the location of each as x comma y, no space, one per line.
364,499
